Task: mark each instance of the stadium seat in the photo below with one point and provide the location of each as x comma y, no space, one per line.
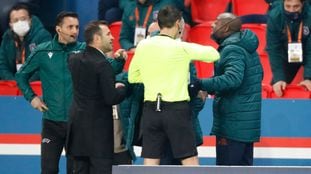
115,29
267,73
294,92
260,31
246,7
36,87
204,70
266,90
299,77
201,34
186,32
128,60
203,10
8,88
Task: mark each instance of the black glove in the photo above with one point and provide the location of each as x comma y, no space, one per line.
193,88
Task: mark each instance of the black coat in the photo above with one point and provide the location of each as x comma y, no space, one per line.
90,126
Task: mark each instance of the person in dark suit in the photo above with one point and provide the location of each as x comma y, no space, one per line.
90,131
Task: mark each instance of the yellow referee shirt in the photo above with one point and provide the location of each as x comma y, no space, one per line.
162,65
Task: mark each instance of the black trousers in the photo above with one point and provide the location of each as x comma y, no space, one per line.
122,158
52,143
92,165
230,152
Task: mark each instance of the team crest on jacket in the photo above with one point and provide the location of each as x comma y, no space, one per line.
131,17
306,30
32,46
50,54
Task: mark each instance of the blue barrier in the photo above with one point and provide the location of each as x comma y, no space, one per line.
287,119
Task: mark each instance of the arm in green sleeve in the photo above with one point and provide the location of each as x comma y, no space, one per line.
307,59
117,65
274,45
23,75
5,72
126,34
233,68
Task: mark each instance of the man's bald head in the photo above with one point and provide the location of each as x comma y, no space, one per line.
232,21
225,25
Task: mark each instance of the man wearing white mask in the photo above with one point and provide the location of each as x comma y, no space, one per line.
25,33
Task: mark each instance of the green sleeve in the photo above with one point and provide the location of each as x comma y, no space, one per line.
307,58
274,47
5,72
26,71
232,65
117,65
127,33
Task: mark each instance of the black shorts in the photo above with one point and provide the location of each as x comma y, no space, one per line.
172,125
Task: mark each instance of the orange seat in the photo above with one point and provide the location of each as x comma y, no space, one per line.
294,92
115,29
201,34
8,88
246,7
260,31
266,90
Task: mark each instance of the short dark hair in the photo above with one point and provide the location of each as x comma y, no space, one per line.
60,17
91,29
167,16
302,1
20,6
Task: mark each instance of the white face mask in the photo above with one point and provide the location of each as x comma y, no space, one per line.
21,28
178,39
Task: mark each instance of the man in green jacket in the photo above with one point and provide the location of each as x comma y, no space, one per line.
237,88
50,60
288,27
25,33
136,18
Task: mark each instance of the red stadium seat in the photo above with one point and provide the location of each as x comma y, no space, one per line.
299,77
294,92
201,34
204,70
260,31
128,60
115,29
203,10
186,32
8,88
267,73
36,87
266,90
246,7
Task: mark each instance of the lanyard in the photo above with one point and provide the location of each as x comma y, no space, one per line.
289,36
22,55
146,17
